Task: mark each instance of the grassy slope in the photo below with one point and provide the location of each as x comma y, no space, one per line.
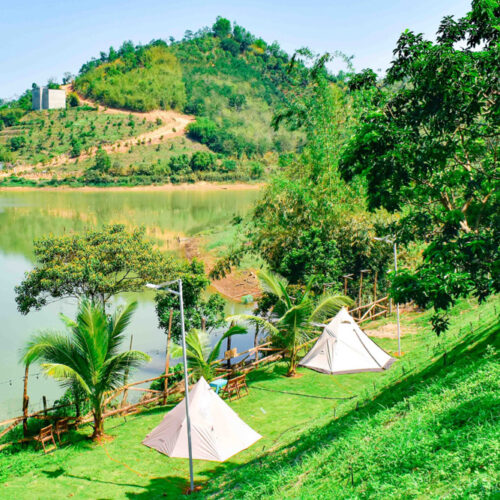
429,431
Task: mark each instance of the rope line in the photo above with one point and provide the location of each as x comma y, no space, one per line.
301,394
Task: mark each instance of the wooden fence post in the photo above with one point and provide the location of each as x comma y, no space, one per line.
125,377
25,401
44,399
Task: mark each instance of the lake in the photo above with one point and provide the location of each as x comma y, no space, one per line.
27,215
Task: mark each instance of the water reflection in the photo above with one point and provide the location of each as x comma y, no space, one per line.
25,216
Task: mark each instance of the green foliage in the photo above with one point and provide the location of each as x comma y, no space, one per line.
73,100
202,160
199,311
102,161
140,79
429,145
309,222
200,354
221,27
17,143
11,116
89,356
96,264
176,374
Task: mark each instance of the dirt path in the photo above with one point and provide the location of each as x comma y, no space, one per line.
234,285
174,125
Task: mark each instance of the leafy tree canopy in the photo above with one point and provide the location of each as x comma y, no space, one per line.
200,312
429,146
96,264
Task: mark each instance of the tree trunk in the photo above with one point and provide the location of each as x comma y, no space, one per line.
292,369
98,425
256,342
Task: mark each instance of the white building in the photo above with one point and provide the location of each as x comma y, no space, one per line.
45,98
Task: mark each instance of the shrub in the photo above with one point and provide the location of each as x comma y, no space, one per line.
73,100
17,143
179,164
202,160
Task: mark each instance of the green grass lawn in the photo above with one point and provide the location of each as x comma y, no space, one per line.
420,430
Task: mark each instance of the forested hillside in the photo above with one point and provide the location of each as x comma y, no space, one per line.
230,80
177,111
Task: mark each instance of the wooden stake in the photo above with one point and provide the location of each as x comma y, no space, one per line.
25,401
44,399
125,377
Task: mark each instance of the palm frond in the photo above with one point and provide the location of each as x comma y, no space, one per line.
256,320
329,305
273,283
64,372
119,323
234,330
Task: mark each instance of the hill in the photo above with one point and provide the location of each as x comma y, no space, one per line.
221,84
426,428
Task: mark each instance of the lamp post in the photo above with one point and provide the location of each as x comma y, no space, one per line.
164,286
392,242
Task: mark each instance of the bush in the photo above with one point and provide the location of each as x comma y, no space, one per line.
202,160
102,161
17,143
73,100
179,164
76,147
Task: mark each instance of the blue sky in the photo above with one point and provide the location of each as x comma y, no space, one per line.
43,39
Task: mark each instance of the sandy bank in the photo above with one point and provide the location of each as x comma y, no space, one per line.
197,186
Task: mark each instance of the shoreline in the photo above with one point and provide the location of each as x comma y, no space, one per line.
197,186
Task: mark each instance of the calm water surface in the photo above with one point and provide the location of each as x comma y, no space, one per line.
24,216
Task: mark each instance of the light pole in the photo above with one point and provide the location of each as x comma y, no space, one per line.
164,286
386,239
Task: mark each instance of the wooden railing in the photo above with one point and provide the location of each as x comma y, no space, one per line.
368,312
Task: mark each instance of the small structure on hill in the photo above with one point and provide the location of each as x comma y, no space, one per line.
45,98
217,431
344,348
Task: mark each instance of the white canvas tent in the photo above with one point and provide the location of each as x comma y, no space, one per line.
344,348
216,430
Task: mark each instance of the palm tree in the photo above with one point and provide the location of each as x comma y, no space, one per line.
200,355
292,321
88,355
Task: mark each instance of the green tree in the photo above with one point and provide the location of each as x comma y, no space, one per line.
292,317
429,147
17,143
76,147
102,161
89,355
221,27
96,264
200,354
202,160
309,221
199,312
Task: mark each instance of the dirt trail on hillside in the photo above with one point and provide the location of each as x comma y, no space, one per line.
234,285
174,125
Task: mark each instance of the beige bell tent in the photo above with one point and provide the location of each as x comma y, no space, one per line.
216,430
344,348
